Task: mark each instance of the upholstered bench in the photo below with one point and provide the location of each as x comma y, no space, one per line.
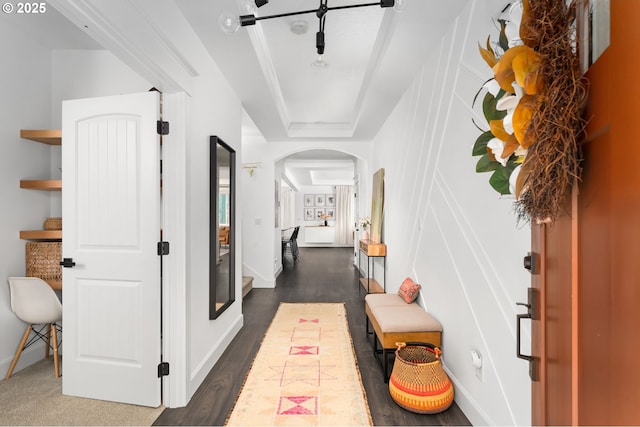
393,320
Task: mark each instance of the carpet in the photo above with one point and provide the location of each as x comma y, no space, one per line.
305,372
33,397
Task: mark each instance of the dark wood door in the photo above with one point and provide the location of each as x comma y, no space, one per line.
588,279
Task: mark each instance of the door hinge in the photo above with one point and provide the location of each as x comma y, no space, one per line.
163,128
163,369
163,248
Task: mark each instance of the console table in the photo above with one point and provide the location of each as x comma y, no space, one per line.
372,250
319,234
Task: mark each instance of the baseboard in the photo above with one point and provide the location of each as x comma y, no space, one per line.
467,404
204,367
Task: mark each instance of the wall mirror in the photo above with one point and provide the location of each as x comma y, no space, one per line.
222,202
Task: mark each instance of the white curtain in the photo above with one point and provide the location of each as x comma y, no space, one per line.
344,214
287,208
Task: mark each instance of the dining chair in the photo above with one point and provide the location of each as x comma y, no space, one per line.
34,302
292,244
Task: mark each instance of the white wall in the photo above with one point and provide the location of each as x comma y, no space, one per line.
445,227
24,104
214,109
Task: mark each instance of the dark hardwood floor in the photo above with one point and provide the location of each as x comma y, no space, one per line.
320,275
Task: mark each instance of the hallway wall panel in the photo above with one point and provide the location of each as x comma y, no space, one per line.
449,230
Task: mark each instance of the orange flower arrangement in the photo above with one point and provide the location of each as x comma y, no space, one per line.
533,107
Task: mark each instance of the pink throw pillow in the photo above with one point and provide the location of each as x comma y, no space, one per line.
409,290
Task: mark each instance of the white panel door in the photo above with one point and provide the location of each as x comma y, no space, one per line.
111,211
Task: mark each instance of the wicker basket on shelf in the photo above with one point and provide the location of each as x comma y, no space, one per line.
53,223
43,260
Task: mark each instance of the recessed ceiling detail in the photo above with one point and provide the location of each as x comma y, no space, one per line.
320,167
373,54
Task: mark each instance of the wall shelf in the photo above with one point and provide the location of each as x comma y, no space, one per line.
41,234
50,137
41,184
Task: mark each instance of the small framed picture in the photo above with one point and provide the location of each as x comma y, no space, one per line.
309,214
331,212
319,212
320,201
330,200
309,201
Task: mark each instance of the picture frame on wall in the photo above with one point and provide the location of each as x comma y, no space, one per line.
309,201
309,214
330,200
318,214
331,212
320,200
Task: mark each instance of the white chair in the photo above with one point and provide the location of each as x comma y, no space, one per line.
34,302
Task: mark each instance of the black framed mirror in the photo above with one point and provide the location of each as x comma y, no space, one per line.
222,204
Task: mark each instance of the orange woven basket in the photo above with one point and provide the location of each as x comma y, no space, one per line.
418,382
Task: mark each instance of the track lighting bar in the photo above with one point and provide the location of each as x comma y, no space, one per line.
246,20
230,24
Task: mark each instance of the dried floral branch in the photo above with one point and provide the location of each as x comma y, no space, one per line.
553,161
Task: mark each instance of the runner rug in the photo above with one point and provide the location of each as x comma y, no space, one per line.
305,372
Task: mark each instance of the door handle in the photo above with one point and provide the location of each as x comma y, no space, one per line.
67,262
519,317
530,314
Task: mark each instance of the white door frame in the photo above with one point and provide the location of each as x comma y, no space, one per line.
174,223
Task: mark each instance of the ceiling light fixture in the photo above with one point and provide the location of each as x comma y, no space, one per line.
299,26
319,63
231,23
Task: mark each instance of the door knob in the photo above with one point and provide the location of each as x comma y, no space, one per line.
67,262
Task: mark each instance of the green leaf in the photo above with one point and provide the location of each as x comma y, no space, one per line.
485,164
480,147
502,40
500,178
489,107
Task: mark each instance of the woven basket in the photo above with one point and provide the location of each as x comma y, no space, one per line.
53,223
43,260
418,382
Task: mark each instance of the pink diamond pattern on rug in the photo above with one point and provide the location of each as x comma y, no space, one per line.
304,350
308,320
298,405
